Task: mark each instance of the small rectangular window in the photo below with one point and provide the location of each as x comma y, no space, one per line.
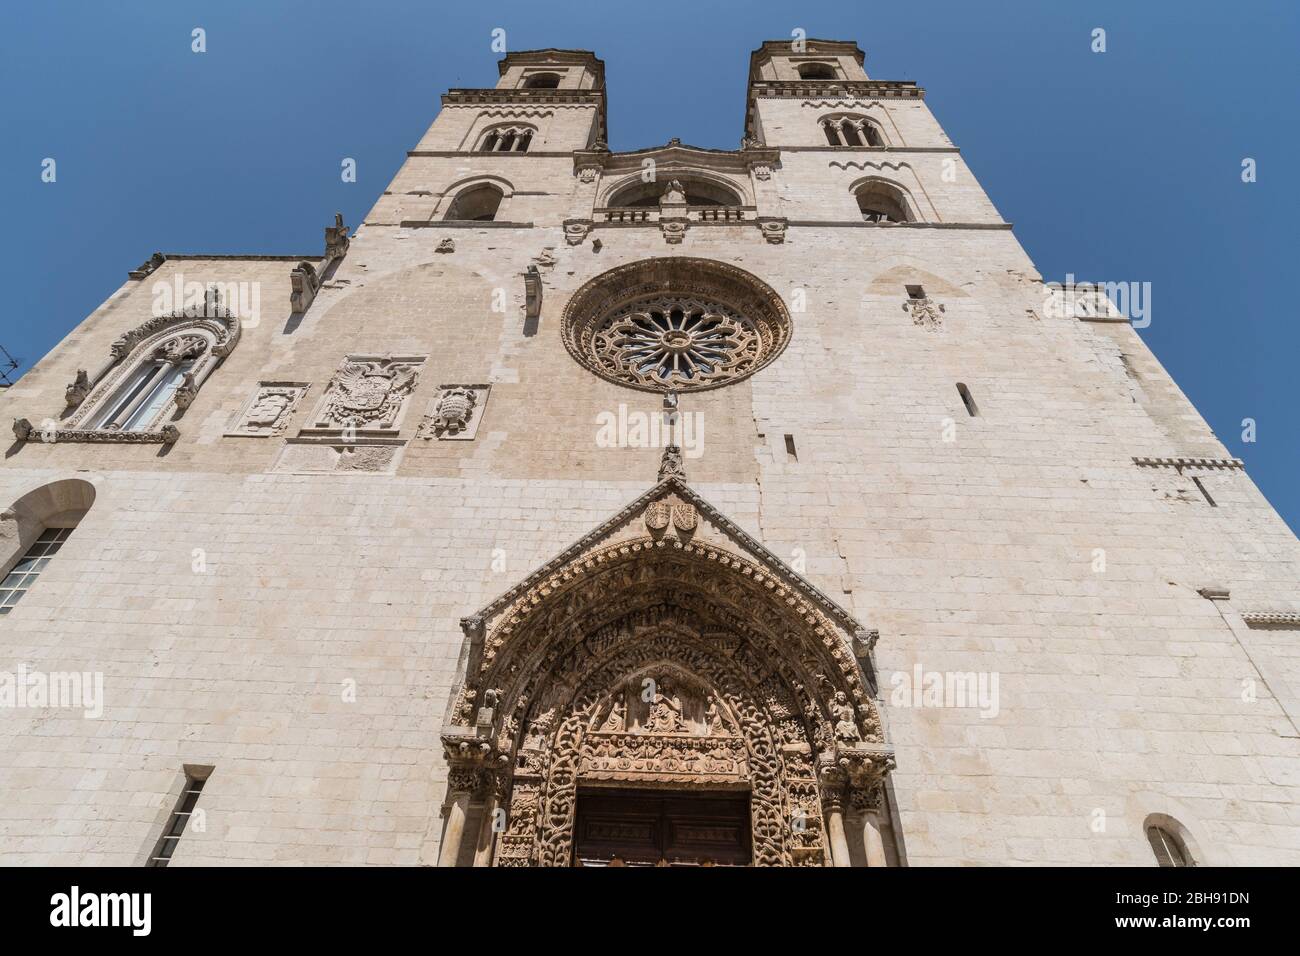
179,818
915,292
790,452
23,574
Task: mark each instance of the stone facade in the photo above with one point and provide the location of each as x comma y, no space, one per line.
287,575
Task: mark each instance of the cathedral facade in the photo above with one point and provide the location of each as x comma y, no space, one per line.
678,506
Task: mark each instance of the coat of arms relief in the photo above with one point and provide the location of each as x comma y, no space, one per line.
367,395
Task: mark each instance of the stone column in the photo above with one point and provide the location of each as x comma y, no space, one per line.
868,805
492,800
460,787
833,808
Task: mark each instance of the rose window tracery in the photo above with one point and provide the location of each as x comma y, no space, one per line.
676,342
675,323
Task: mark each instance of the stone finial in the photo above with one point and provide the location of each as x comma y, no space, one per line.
671,466
674,195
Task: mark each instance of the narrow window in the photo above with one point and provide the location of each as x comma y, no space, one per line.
831,138
971,408
790,452
23,574
525,138
1200,487
508,141
180,816
490,143
1169,850
851,134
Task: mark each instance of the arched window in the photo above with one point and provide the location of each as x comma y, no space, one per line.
512,138
542,81
1168,841
879,201
851,130
155,371
816,71
476,204
42,520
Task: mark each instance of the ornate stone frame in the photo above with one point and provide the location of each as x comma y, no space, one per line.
742,292
215,330
666,584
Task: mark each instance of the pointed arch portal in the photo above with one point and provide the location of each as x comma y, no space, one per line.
666,652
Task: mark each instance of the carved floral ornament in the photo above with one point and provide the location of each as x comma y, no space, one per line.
675,323
666,658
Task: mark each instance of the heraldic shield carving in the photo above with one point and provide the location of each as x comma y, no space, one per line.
666,649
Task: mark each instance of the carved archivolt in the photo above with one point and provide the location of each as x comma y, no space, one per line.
659,660
675,323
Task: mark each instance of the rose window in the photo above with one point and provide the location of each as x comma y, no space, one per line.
672,342
675,323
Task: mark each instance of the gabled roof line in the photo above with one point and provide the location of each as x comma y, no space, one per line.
474,622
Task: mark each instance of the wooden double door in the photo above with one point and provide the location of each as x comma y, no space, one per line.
661,828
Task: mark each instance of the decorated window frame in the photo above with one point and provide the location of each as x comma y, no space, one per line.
153,373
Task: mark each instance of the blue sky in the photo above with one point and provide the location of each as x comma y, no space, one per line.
1122,166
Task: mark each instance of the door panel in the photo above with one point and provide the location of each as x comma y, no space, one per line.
661,828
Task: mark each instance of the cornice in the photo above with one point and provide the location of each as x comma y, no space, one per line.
826,90
1225,463
835,89
676,151
853,224
1272,620
470,97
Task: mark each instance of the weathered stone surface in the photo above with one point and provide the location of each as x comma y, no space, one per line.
288,611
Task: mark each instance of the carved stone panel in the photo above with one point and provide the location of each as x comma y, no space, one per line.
367,396
268,410
364,457
454,415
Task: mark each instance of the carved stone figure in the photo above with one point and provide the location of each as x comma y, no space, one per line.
846,726
674,195
76,392
671,466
